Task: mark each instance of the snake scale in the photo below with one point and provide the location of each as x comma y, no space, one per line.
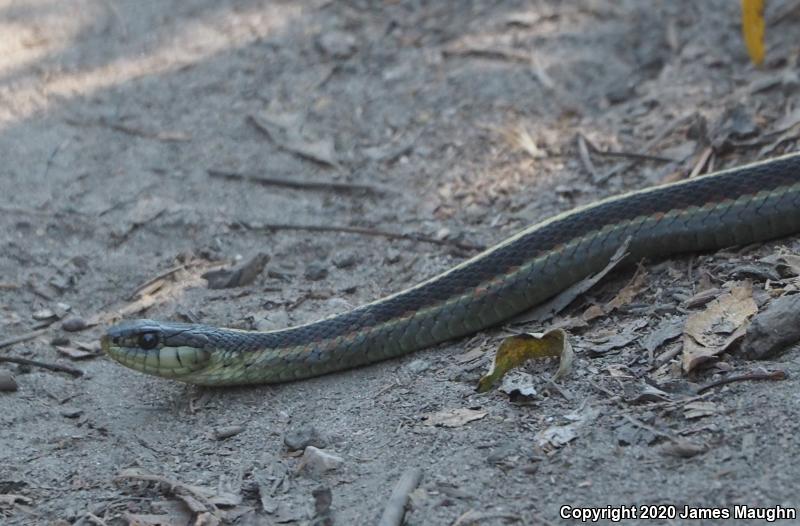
742,205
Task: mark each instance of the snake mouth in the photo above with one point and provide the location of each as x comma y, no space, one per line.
169,362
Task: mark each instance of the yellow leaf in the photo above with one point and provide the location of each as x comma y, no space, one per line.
516,350
753,29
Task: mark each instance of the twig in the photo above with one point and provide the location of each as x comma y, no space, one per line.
53,156
701,162
44,213
648,427
167,273
130,130
49,366
20,338
671,127
666,357
489,53
290,183
634,155
759,375
396,507
586,159
629,155
362,231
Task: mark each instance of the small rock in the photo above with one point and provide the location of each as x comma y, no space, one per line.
239,276
315,272
44,314
323,498
417,366
59,341
392,256
620,91
345,261
74,324
71,413
518,385
221,433
337,44
303,437
7,382
318,460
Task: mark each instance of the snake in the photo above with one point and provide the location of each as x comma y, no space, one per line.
737,206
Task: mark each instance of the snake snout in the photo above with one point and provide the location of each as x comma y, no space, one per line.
155,348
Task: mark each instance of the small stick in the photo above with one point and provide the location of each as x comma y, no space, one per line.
49,366
163,275
666,357
131,130
760,375
586,159
671,127
361,231
701,162
635,156
289,183
396,507
20,338
641,156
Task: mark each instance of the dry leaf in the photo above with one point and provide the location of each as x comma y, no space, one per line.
629,291
518,385
284,129
699,409
74,353
558,436
564,298
708,333
667,330
241,275
516,350
520,137
453,417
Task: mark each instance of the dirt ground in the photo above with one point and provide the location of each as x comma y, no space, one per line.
133,135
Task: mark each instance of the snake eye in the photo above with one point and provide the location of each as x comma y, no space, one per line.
148,340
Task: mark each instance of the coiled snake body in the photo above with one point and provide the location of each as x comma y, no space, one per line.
742,205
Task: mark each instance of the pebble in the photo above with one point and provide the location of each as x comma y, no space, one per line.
417,366
303,437
7,382
345,261
71,413
221,433
59,341
318,460
44,314
316,272
392,255
74,324
337,44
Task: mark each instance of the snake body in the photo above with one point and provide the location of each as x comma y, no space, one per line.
738,206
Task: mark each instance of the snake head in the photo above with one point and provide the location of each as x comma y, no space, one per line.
170,350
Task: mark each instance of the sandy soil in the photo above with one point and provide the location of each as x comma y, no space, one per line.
118,121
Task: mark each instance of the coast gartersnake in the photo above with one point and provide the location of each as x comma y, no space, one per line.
741,205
